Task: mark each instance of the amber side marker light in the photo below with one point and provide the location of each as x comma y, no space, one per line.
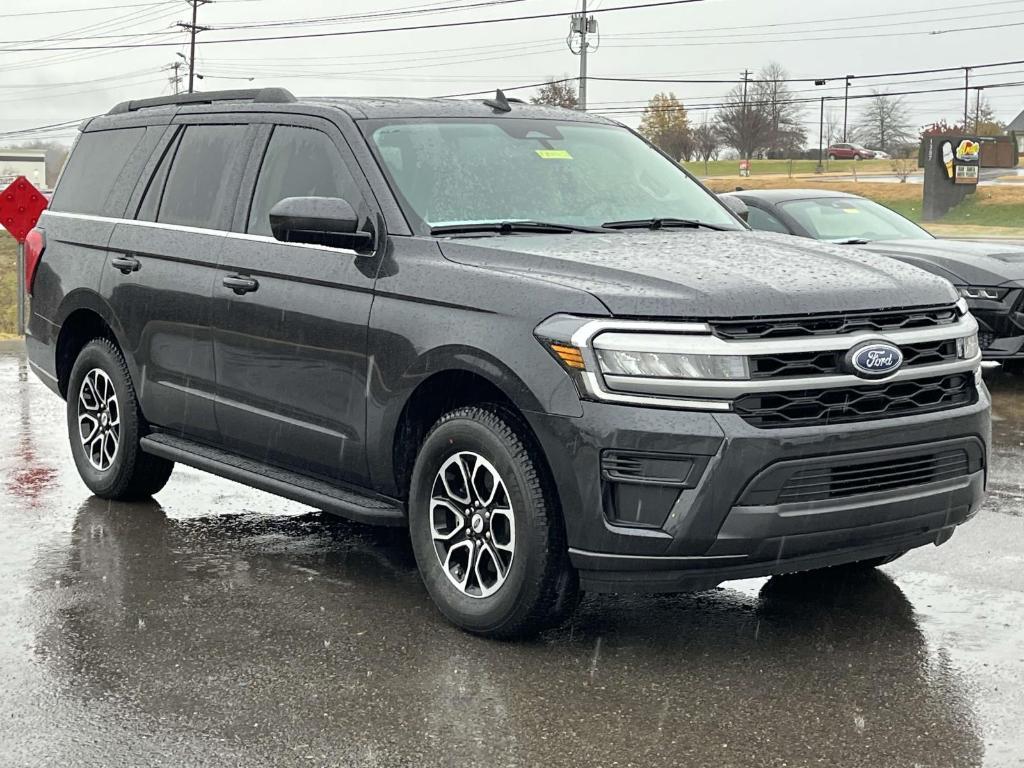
571,357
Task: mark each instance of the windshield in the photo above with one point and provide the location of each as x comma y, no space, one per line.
460,171
852,218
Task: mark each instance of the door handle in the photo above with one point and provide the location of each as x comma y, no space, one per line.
127,264
240,284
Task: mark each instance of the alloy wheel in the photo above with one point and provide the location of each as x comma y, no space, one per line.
472,524
99,419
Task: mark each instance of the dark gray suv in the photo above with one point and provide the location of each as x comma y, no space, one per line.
522,332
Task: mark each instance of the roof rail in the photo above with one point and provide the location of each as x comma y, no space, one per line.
255,95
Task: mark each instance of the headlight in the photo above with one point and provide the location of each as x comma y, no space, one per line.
978,292
672,365
967,347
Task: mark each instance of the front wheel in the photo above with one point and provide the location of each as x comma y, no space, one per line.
105,424
486,528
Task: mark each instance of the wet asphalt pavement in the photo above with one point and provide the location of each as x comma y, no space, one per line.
221,626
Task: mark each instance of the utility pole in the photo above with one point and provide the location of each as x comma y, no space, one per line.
743,120
193,29
582,25
846,106
821,139
175,79
967,85
977,109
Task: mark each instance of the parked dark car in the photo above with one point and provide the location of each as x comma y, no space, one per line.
521,331
989,275
849,152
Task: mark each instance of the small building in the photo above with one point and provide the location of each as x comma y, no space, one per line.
30,163
1017,127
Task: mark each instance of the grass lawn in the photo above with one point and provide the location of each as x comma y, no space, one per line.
787,167
8,284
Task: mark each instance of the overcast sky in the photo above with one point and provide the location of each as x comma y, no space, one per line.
713,39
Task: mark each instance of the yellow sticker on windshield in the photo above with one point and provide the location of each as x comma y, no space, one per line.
850,210
553,154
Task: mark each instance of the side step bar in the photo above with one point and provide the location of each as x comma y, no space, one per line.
346,502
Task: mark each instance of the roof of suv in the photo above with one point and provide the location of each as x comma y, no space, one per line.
360,108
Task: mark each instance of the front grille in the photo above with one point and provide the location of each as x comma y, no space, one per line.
834,482
827,325
830,362
802,408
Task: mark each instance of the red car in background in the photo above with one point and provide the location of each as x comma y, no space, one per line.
849,152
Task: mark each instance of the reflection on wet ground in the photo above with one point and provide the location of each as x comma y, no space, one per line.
220,626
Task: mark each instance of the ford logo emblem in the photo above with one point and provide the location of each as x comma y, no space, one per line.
874,360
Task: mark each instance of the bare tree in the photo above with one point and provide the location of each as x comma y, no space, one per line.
557,93
743,124
772,95
706,142
885,122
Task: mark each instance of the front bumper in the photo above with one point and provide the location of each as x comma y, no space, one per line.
717,522
1001,326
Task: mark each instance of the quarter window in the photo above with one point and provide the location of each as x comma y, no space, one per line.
200,189
93,170
299,162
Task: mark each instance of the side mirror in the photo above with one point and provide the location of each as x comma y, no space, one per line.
736,205
318,221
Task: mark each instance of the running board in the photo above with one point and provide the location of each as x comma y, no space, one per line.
345,502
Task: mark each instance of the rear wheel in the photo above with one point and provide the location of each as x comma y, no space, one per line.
831,157
485,526
105,424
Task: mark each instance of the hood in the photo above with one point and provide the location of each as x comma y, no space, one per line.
964,262
703,274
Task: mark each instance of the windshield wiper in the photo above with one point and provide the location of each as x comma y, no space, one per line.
508,227
663,224
851,241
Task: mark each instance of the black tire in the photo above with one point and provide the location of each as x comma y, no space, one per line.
130,474
857,157
541,587
831,157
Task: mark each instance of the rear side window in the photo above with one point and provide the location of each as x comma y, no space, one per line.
299,162
93,171
200,190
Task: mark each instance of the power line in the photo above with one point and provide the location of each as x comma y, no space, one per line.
703,81
732,30
421,10
378,30
703,107
55,11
